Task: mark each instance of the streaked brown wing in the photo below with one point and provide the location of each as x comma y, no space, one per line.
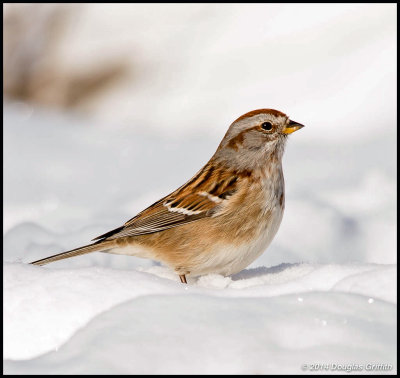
164,215
191,202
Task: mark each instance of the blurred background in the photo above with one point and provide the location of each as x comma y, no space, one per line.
110,106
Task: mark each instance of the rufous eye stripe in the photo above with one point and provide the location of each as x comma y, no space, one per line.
238,140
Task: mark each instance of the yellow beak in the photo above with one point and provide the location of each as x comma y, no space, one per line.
292,127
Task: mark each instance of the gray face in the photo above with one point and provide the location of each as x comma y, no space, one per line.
254,139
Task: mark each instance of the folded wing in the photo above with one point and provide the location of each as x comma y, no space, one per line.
203,196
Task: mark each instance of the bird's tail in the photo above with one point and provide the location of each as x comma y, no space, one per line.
98,246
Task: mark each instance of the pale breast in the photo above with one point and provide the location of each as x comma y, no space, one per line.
252,228
230,258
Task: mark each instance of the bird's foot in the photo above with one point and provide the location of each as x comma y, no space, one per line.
183,278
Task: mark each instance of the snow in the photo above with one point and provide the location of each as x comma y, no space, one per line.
261,320
182,334
323,292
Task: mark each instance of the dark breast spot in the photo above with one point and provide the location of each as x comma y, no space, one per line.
282,199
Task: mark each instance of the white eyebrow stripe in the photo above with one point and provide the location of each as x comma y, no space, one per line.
210,197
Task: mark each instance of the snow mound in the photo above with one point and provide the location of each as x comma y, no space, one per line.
272,309
182,334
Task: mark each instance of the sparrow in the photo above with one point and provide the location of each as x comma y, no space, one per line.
224,217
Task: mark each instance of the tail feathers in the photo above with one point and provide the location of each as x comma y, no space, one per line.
99,246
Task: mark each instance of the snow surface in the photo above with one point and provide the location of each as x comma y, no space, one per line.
101,320
323,292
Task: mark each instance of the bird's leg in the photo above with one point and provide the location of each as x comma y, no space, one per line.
183,278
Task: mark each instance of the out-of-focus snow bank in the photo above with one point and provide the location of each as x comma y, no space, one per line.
249,323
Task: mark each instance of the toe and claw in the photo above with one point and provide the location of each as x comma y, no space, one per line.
183,278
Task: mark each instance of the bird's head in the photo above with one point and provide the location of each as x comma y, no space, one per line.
255,138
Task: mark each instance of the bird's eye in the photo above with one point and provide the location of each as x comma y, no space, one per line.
267,126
